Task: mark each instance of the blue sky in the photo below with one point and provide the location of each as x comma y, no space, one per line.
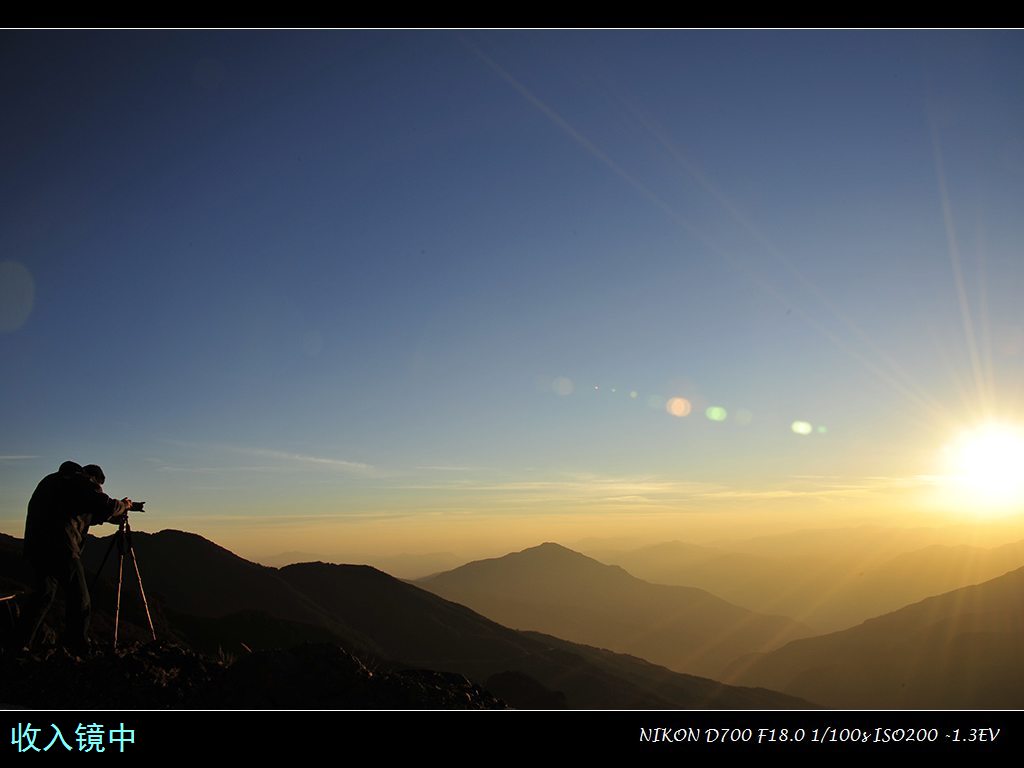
341,271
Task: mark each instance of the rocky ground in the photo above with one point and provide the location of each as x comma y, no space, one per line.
160,675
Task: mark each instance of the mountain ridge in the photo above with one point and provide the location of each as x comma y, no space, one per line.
405,626
960,649
555,590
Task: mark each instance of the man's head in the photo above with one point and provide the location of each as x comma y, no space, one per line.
70,468
94,473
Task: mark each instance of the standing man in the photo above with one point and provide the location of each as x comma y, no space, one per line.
60,512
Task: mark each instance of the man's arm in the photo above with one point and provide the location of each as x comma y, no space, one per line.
97,505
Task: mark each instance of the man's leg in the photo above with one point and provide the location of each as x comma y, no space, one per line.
79,607
38,605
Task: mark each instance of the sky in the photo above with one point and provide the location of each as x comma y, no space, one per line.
341,291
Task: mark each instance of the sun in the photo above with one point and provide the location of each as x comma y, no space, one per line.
985,467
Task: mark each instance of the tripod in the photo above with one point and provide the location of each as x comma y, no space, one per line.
123,540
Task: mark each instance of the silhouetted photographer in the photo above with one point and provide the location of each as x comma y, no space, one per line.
62,508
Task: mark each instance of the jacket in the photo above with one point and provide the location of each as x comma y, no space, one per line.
60,512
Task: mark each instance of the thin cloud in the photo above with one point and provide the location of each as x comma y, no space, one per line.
309,460
852,487
285,520
217,470
647,492
445,468
785,494
591,491
302,458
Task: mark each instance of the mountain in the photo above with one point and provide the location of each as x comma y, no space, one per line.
404,566
853,583
422,629
213,622
201,578
210,595
552,589
959,650
14,571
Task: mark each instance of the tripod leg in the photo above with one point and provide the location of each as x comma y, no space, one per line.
117,611
96,578
145,603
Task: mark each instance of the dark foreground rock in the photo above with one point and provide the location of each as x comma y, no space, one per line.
152,676
168,676
323,676
523,692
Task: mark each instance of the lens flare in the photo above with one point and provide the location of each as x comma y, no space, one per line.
679,407
716,413
562,386
801,427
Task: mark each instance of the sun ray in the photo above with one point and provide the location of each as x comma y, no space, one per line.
963,300
714,191
901,382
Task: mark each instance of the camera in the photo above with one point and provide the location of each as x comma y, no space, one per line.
137,506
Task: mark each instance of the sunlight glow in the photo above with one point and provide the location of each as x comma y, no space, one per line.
986,467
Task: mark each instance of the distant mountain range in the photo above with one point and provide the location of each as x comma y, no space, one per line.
552,589
204,594
829,580
963,649
960,650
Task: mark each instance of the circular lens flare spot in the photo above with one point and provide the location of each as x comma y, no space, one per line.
562,386
679,407
716,413
801,427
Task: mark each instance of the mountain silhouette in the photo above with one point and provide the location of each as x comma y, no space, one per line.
959,650
552,589
197,577
422,629
854,582
404,566
207,595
